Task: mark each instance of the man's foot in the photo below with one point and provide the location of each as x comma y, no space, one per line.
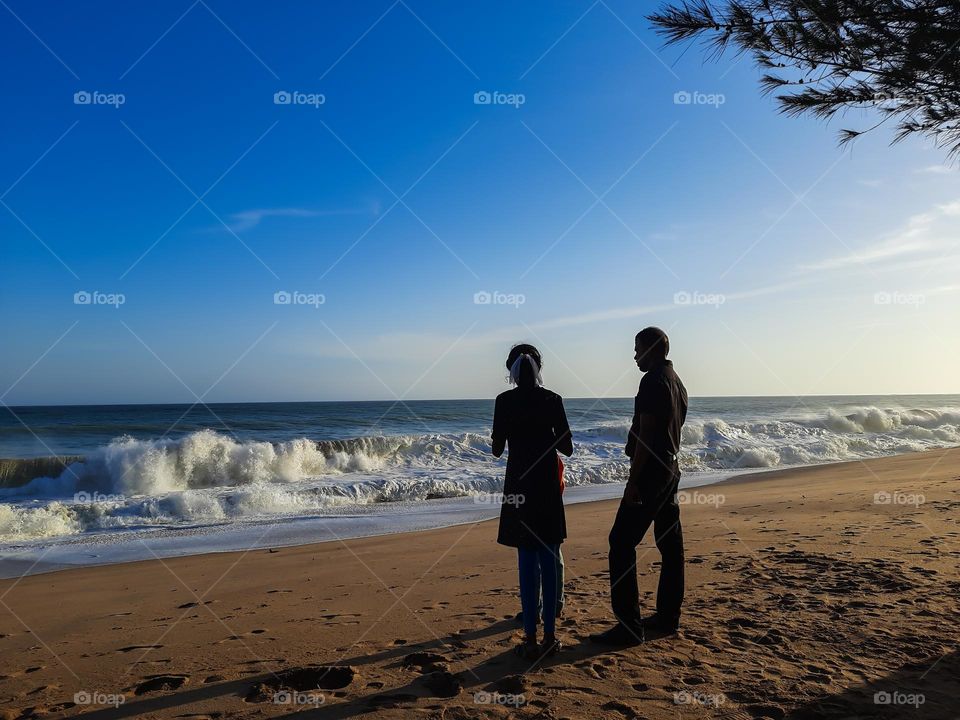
619,636
660,623
550,646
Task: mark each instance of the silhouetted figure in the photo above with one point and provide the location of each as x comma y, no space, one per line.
531,421
650,496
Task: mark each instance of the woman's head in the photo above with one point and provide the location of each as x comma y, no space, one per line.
523,364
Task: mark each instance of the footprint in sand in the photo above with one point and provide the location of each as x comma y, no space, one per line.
390,700
131,648
774,712
195,604
37,710
426,662
306,679
154,683
622,708
511,685
442,684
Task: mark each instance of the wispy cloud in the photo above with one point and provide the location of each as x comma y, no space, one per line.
926,232
248,219
935,170
885,251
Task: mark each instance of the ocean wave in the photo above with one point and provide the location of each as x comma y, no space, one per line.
206,477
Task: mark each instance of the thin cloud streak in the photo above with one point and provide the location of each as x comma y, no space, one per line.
248,219
921,233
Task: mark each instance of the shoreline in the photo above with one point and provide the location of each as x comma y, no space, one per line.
804,599
386,519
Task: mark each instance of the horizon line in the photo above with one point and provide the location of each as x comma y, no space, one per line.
472,399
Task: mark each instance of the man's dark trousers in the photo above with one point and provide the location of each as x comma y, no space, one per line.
631,524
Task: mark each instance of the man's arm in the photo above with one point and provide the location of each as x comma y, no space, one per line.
641,452
640,434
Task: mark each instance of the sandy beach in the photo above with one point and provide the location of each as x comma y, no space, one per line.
823,592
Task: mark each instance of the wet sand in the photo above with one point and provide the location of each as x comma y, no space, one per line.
821,592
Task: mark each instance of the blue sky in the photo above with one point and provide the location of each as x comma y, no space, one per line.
779,263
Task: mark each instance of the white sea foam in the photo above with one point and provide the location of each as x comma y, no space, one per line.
209,478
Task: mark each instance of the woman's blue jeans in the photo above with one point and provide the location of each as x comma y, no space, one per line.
538,573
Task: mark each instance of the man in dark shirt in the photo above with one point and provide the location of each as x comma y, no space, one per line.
650,496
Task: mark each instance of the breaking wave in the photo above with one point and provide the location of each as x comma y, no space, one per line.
208,478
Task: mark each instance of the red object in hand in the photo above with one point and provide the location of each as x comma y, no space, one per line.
560,474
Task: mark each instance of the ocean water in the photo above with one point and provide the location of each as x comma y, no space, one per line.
174,479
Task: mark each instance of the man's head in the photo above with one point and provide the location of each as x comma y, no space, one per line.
651,347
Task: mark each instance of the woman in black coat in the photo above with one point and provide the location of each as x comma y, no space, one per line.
530,420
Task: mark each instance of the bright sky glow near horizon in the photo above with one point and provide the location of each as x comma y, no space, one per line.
150,155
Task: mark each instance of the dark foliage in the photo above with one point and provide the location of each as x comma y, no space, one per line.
898,58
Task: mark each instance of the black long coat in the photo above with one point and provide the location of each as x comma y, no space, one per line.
533,423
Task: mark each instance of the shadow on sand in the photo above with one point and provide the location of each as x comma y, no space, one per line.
488,675
937,683
920,690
